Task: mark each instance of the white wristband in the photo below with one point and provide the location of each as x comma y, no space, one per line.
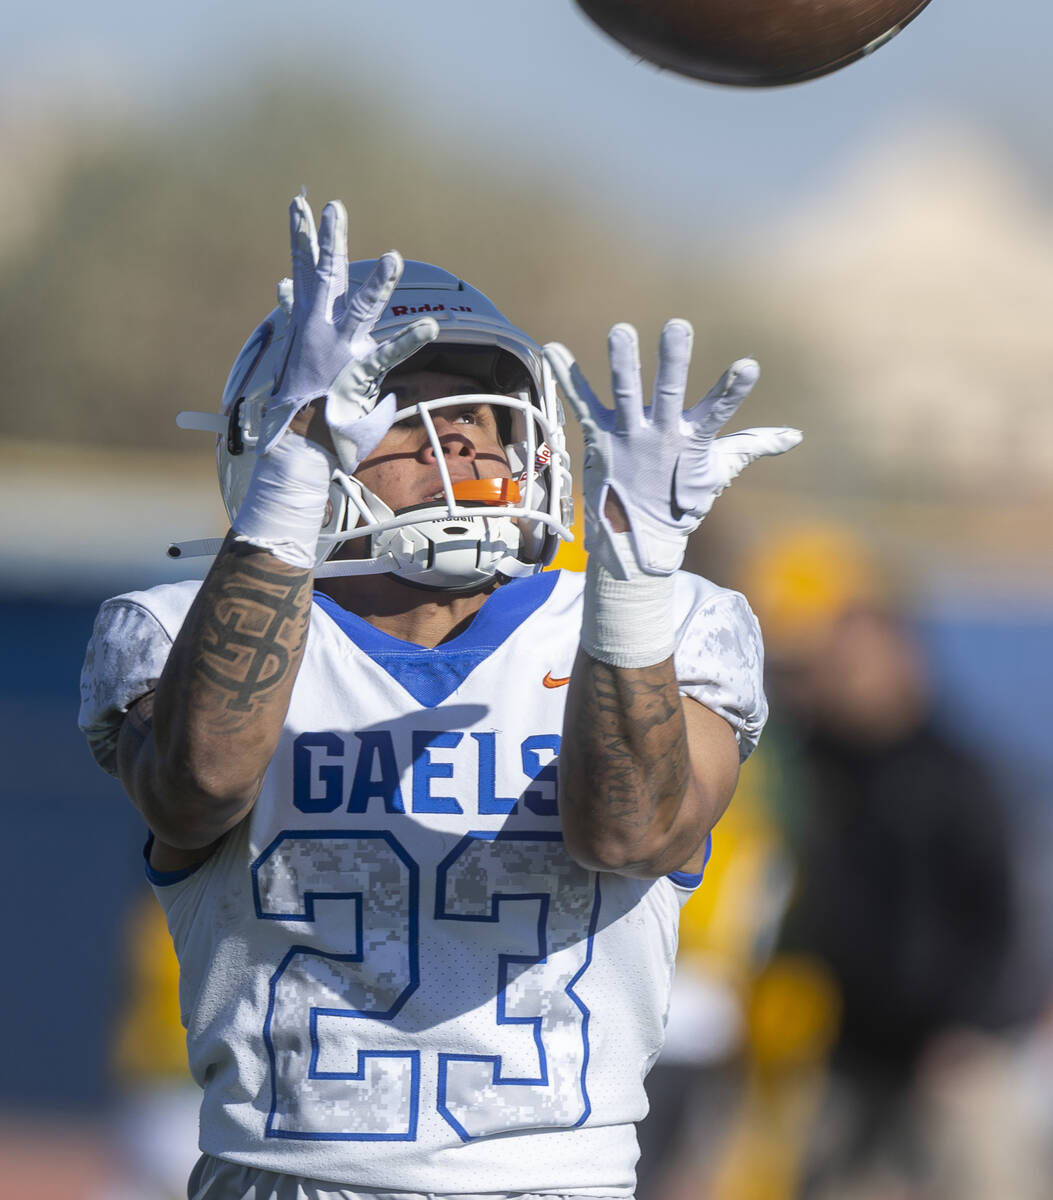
627,623
284,507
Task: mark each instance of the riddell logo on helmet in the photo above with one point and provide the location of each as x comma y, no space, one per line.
404,310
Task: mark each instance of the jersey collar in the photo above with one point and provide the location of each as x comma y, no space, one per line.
431,675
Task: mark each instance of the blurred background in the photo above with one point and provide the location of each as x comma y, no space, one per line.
881,240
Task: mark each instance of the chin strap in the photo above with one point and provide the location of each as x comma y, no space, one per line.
195,548
497,492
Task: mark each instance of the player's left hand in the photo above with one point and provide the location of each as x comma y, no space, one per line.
664,463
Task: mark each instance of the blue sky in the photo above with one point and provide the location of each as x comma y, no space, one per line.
532,80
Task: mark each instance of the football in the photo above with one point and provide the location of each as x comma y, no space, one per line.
752,43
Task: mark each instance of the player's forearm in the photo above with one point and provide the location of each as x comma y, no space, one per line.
625,775
222,699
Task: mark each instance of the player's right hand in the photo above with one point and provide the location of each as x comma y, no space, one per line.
331,355
332,352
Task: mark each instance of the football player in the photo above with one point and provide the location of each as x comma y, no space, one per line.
421,816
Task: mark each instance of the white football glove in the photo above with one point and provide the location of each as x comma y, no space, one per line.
331,353
664,463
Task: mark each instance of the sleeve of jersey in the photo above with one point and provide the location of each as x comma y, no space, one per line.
124,660
719,660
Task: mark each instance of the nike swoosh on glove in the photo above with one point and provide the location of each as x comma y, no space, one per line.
665,463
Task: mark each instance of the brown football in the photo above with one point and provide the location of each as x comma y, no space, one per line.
752,43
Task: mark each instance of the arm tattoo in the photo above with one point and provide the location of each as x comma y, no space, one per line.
625,718
254,630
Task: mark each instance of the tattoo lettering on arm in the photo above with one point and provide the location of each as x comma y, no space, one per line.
254,632
247,636
222,698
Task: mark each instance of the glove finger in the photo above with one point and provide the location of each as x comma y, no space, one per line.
674,359
623,348
331,271
397,349
304,248
357,439
756,443
369,300
736,451
719,404
580,396
354,390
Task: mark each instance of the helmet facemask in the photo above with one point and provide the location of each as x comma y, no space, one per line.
476,528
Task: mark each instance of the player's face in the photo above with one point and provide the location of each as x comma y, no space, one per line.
403,470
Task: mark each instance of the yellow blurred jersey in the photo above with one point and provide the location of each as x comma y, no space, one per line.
731,920
151,1041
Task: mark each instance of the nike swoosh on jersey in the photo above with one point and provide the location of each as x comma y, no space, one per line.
554,681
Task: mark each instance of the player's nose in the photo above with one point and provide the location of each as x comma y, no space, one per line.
452,439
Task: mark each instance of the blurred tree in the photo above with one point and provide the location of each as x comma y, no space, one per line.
162,245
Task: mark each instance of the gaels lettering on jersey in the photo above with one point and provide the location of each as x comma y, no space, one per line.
426,771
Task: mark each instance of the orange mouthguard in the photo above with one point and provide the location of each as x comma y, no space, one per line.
487,491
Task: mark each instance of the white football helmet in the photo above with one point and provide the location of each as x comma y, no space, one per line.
480,527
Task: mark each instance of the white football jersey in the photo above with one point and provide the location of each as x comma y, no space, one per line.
393,976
